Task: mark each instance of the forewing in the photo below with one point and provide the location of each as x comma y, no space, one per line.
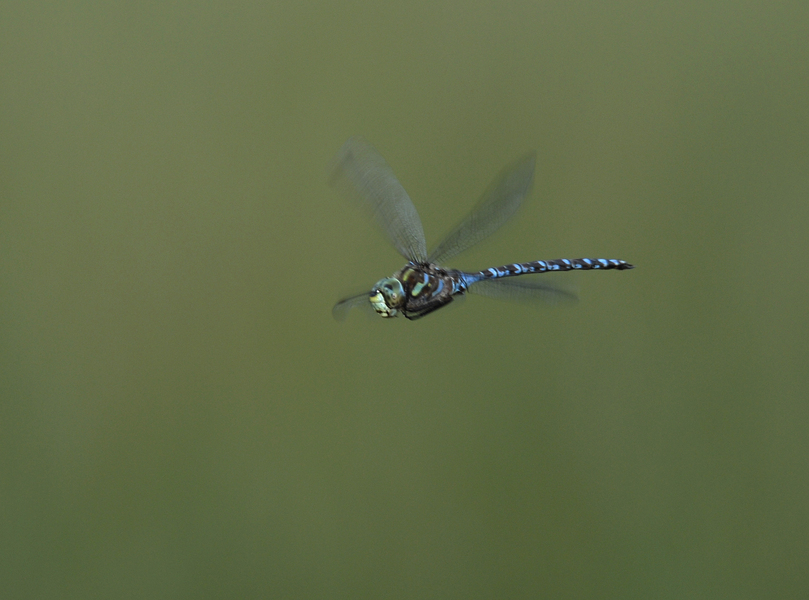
344,306
497,205
361,172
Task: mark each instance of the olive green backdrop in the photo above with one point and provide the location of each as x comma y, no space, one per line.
181,417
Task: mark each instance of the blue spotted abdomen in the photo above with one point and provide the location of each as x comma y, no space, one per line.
559,264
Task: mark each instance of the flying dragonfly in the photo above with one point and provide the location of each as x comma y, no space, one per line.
423,284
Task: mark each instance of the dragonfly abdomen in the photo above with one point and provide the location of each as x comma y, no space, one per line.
558,264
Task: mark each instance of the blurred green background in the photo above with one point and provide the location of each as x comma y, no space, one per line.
181,417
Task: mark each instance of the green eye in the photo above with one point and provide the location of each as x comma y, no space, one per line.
387,297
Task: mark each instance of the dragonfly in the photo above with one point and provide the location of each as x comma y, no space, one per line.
423,285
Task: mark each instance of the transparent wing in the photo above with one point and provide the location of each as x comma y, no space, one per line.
497,205
361,172
525,289
344,306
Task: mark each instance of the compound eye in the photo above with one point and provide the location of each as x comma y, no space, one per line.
392,290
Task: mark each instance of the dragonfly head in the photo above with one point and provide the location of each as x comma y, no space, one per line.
387,297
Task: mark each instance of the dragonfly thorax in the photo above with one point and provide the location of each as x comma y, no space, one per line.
414,291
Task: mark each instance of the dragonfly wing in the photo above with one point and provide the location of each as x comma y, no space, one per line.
362,172
497,205
525,289
344,306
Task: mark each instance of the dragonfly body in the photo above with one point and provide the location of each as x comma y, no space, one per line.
419,289
422,285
